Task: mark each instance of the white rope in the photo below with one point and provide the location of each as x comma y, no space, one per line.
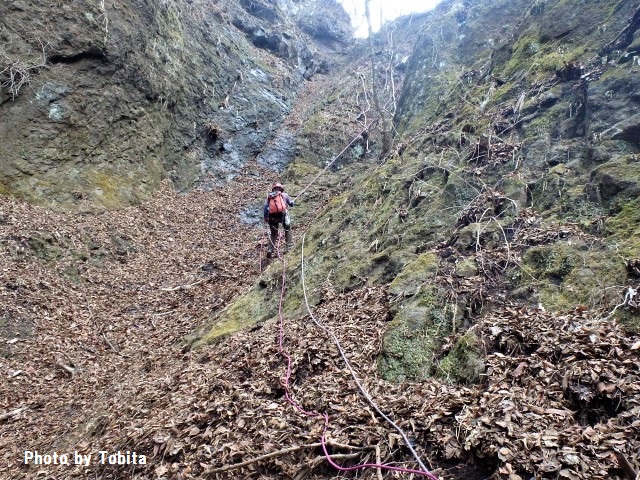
346,361
335,158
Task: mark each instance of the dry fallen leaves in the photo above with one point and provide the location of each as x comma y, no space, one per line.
101,368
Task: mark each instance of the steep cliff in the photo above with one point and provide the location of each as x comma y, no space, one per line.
101,100
512,183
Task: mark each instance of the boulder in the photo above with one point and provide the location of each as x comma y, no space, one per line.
618,176
627,129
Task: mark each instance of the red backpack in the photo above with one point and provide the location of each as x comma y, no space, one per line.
276,203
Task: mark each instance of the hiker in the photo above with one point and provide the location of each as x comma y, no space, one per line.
275,213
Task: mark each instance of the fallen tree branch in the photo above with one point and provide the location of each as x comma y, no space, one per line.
284,451
69,369
336,456
626,466
12,413
379,462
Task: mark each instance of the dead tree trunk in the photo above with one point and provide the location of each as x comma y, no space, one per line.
384,116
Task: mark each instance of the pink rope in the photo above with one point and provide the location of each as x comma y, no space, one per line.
287,387
365,465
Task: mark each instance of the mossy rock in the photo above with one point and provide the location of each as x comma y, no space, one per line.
413,337
545,121
575,206
533,56
565,275
409,346
625,225
4,190
300,170
47,246
415,274
458,191
618,176
389,264
467,267
480,235
515,189
623,231
463,364
253,307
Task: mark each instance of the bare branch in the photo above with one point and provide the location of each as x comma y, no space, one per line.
16,72
284,451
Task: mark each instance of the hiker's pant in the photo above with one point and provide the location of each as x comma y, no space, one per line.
275,219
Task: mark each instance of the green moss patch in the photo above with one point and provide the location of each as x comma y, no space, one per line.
618,176
463,363
251,308
565,275
414,336
625,225
409,345
415,274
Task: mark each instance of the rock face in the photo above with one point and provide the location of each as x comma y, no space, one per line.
514,172
101,100
497,243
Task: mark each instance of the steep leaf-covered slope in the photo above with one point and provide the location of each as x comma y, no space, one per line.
482,277
513,182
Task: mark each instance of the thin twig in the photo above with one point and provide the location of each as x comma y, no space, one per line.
631,292
70,370
184,287
101,329
337,456
112,347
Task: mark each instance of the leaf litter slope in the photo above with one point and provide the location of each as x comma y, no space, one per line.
94,306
